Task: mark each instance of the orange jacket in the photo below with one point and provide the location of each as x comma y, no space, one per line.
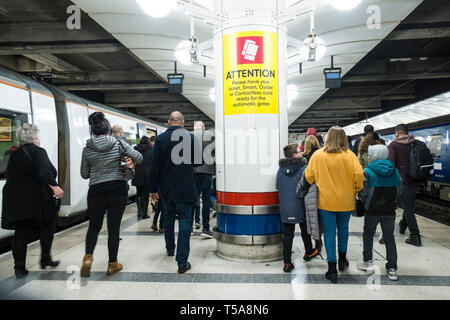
338,176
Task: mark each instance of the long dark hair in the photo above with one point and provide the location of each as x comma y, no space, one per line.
145,140
98,124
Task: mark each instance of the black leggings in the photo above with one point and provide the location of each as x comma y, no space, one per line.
23,230
97,207
142,199
288,239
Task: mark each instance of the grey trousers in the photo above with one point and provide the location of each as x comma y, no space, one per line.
387,227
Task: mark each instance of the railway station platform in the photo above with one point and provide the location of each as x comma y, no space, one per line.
424,272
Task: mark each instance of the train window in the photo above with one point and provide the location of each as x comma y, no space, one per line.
435,145
9,123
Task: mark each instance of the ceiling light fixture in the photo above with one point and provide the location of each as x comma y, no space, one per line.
157,8
344,5
183,52
313,48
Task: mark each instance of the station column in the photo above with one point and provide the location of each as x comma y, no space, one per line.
251,129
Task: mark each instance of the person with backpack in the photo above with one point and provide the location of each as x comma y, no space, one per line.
379,195
292,208
414,161
101,164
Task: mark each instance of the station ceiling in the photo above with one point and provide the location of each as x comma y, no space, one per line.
121,57
90,62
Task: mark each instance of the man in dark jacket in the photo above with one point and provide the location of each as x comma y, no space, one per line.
172,171
203,177
292,208
142,177
399,154
367,129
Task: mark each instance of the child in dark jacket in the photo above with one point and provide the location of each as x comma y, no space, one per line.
381,180
292,208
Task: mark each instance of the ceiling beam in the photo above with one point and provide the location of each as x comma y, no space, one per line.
52,61
419,33
77,47
152,104
106,86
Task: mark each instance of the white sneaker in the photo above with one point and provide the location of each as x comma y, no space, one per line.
365,265
392,274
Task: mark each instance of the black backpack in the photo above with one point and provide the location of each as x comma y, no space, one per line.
421,162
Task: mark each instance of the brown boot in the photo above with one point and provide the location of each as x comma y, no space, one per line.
86,267
113,267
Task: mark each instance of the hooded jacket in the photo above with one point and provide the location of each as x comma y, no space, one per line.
381,181
292,208
100,160
142,173
399,155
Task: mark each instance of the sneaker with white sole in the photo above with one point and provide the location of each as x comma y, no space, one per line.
392,274
365,265
197,226
207,234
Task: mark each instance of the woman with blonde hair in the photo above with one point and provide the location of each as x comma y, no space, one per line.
339,176
311,146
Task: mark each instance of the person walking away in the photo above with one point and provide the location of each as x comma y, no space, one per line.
292,208
367,129
203,177
312,144
381,181
338,176
309,132
159,213
174,176
399,154
142,177
100,163
30,198
363,152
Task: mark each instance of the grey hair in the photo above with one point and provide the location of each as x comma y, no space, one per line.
27,133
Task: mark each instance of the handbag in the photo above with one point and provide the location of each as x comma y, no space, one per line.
359,208
127,166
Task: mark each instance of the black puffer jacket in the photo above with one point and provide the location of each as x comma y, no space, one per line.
142,173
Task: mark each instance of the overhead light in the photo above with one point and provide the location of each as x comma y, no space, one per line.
400,59
157,8
344,5
212,94
183,52
313,48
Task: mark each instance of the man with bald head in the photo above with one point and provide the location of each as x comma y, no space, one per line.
172,180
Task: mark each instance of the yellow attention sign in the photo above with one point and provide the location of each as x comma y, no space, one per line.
250,72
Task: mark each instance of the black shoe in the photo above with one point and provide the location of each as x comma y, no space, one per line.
21,273
414,239
402,226
49,263
342,261
146,217
171,253
309,256
207,234
183,269
331,274
288,267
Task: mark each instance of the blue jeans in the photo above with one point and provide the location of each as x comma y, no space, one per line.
330,221
203,184
185,212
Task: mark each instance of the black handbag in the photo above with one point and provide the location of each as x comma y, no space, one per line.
359,208
127,166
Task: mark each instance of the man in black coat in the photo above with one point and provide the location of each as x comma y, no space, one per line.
142,177
367,129
172,171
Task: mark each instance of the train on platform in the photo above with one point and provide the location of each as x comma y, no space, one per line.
436,134
62,118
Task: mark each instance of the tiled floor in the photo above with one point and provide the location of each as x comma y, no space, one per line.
424,273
